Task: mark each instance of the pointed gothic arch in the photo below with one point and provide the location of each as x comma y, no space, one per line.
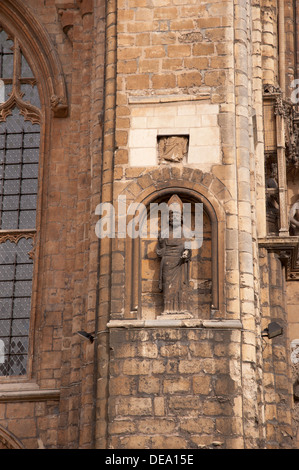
20,22
32,41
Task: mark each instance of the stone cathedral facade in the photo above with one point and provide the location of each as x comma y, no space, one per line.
109,106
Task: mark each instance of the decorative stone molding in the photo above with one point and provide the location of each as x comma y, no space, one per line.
29,395
15,235
30,112
287,249
9,440
170,323
271,89
288,112
25,391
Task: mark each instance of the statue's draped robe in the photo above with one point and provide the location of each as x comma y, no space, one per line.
174,274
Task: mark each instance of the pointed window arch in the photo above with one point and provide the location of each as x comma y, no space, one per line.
20,119
32,93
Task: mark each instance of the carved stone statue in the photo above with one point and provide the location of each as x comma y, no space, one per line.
272,200
175,260
294,219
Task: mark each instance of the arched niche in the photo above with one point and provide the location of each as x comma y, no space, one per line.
144,300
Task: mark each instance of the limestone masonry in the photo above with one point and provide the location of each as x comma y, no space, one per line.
149,100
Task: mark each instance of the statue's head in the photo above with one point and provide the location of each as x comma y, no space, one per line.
175,218
175,211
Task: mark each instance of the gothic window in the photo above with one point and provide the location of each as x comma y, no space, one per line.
20,119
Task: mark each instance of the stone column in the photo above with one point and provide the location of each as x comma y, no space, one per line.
105,246
246,262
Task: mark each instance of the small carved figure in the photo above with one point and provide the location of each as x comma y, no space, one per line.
173,148
58,106
174,268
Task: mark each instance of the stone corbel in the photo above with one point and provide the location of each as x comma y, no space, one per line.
59,106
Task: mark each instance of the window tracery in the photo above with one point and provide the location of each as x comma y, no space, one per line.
20,119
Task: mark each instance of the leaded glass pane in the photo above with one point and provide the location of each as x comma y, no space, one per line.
6,56
13,155
10,220
25,68
30,155
7,91
2,91
27,218
19,150
30,94
15,293
6,44
7,65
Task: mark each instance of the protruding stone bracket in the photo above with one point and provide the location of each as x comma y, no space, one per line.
59,106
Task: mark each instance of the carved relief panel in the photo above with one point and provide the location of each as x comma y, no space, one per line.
173,149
